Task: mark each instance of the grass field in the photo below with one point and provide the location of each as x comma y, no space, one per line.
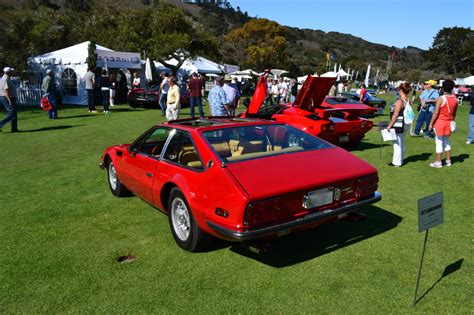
61,232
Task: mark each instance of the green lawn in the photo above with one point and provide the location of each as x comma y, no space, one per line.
61,232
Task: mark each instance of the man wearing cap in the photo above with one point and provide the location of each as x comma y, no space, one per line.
232,94
218,100
428,101
8,99
195,86
49,90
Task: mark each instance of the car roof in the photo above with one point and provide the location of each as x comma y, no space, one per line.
218,122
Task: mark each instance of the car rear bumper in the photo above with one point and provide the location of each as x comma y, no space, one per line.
286,227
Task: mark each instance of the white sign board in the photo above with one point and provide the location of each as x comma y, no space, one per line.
430,211
118,59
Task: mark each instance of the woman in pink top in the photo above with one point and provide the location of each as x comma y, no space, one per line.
444,114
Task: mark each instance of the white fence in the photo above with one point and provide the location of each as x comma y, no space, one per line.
29,95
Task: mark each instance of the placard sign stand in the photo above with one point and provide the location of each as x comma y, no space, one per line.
430,214
382,125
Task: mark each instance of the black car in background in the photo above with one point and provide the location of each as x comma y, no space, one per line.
150,97
373,101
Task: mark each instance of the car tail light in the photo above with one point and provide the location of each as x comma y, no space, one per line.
262,212
366,124
366,185
328,127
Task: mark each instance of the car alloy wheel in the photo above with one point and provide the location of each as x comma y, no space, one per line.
112,176
184,228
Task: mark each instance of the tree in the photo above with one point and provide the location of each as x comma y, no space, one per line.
452,50
263,42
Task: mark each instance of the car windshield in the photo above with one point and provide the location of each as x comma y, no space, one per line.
257,141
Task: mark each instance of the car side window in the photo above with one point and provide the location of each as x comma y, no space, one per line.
181,150
153,144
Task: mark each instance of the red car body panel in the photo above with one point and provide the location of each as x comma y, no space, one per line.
234,186
338,124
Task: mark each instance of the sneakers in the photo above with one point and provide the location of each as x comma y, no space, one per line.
448,163
468,141
436,164
106,111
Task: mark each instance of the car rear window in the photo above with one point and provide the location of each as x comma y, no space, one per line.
257,141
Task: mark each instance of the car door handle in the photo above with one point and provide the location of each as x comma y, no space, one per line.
149,175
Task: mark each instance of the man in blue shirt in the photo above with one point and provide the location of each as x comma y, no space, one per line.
232,94
218,100
470,136
428,103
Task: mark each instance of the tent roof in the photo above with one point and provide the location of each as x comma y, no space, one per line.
197,64
74,54
343,73
330,74
469,80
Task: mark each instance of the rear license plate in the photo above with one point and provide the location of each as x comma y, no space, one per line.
344,139
141,99
318,198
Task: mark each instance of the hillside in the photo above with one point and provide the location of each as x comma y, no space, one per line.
305,49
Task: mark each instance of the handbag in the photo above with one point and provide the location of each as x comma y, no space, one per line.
46,104
408,113
399,124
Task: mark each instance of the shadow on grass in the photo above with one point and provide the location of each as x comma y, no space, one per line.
455,266
307,245
366,146
460,158
51,128
419,157
77,116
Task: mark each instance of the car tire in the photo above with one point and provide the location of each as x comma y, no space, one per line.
116,187
133,104
185,231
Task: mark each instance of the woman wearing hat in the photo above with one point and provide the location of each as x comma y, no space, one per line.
443,116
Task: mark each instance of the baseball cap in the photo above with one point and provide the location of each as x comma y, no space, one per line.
8,69
431,82
49,71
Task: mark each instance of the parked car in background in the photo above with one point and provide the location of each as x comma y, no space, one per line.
149,97
378,103
465,92
238,179
341,102
338,124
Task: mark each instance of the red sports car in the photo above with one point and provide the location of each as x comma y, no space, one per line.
239,179
312,112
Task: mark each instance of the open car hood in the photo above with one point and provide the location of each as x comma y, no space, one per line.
259,95
313,92
310,96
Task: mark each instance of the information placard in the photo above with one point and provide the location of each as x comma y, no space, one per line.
430,211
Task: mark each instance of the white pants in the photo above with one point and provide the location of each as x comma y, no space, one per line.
442,144
399,147
172,111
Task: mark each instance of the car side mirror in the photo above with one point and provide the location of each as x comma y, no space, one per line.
133,152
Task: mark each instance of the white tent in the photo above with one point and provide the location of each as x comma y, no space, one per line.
468,80
245,72
278,72
330,74
69,66
343,73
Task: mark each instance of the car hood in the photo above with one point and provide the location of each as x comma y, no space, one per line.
309,97
313,92
280,174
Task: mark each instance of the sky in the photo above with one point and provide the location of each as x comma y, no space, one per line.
393,23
